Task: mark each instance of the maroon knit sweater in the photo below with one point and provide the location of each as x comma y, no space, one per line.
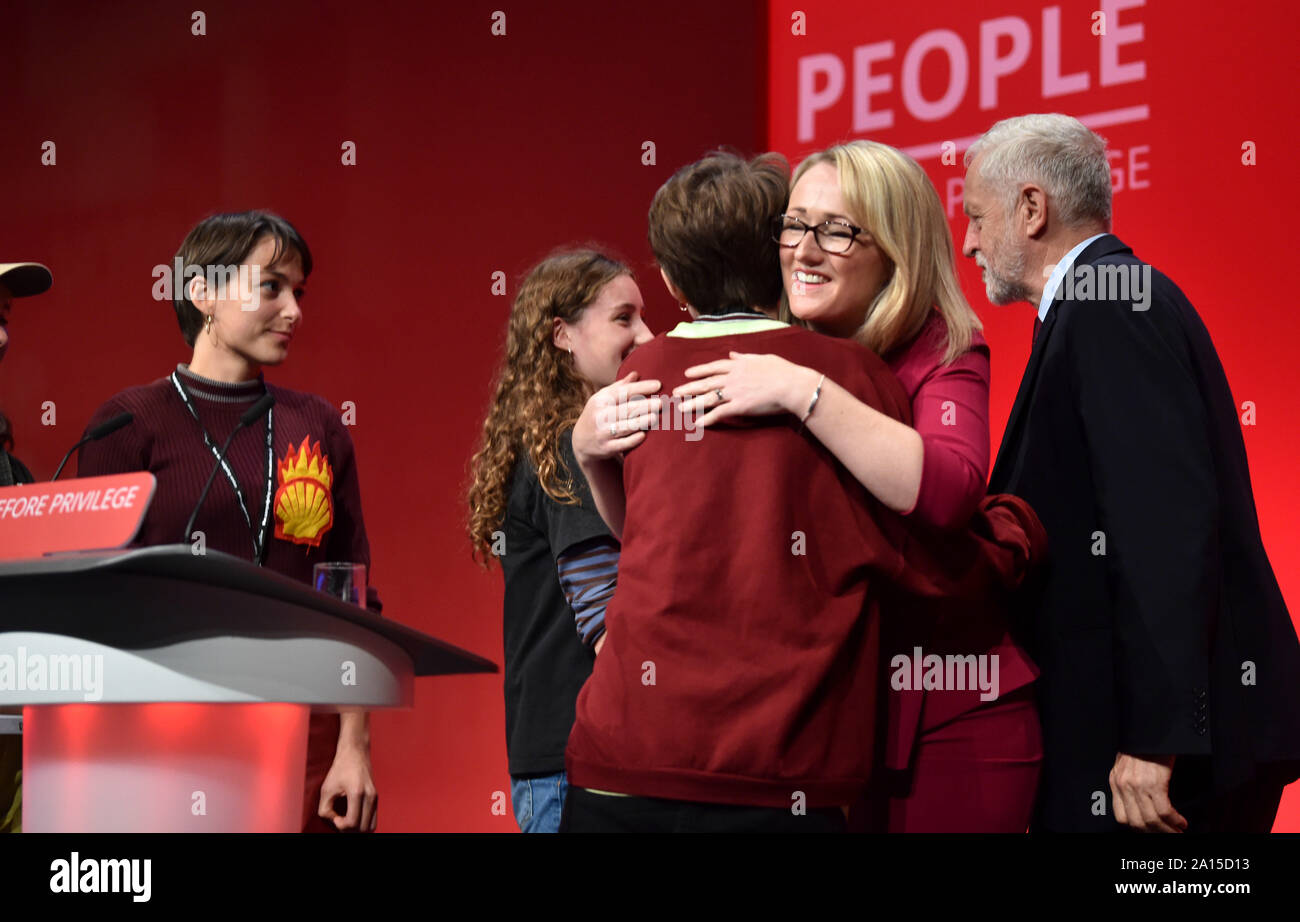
166,440
741,655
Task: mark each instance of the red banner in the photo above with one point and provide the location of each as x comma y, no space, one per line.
92,513
1195,99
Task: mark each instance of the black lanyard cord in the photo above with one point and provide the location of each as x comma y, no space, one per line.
259,538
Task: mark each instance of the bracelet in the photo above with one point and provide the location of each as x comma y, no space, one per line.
816,396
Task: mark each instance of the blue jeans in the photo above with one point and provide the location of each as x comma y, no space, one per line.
539,801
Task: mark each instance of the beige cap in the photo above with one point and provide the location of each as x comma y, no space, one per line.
24,279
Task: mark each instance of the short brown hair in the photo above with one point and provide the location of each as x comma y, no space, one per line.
226,240
711,230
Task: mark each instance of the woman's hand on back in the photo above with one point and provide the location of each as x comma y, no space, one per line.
615,419
751,385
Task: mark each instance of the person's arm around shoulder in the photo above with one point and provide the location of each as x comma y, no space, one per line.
613,421
883,454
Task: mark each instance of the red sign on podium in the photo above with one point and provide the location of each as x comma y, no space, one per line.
90,513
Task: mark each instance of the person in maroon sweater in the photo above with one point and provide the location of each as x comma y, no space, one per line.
289,496
867,255
737,687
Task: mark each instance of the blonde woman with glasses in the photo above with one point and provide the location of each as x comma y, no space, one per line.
866,255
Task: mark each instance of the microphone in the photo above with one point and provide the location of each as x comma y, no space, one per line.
94,435
251,415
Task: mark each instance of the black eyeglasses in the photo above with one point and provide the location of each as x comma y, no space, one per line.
833,236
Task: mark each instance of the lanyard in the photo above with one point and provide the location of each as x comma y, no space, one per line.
259,539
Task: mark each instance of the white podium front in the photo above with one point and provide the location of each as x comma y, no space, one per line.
164,691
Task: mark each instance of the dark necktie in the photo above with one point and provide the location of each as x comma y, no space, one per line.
1038,325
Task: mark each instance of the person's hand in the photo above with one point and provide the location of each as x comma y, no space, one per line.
613,421
349,777
751,385
1139,789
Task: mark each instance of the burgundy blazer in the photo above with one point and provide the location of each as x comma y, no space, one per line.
950,411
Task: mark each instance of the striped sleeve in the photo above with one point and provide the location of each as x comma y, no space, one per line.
588,572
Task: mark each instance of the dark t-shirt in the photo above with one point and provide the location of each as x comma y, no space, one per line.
546,662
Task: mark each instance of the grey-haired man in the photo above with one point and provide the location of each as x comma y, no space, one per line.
1170,665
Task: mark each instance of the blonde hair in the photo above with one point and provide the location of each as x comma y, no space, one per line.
891,197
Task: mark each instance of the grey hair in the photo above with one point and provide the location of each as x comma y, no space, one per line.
1055,151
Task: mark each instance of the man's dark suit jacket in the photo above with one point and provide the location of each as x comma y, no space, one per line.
1159,627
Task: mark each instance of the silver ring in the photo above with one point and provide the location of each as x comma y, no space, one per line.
613,429
719,393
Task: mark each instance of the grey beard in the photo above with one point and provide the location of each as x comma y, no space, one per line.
1005,289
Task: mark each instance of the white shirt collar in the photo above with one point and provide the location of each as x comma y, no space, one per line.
1058,273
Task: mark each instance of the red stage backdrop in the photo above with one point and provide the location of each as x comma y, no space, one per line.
1195,100
475,154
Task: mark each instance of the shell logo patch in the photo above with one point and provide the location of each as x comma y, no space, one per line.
304,503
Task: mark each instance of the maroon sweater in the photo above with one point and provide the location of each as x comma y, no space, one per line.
741,656
166,441
309,523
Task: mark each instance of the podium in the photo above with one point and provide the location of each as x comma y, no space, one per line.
166,691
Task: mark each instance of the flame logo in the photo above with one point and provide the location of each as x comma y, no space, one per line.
304,503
